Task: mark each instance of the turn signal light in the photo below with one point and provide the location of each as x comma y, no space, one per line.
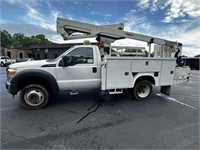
12,73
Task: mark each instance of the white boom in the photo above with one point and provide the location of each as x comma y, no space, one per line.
66,27
127,47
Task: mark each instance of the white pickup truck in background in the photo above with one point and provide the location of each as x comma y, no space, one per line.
5,61
87,67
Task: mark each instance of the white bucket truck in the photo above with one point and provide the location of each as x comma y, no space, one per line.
88,67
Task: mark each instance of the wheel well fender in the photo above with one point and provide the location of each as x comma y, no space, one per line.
146,77
32,76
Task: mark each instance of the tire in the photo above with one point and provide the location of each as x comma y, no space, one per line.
2,64
142,90
34,96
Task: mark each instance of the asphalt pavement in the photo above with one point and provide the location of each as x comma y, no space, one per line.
162,122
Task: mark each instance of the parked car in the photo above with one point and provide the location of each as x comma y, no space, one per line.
29,59
5,61
23,59
19,60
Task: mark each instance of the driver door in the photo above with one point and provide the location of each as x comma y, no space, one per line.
82,71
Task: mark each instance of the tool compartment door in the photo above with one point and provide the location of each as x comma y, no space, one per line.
167,72
182,74
117,74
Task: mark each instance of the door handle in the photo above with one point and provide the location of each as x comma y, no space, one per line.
94,69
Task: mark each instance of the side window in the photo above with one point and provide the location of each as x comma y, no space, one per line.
5,57
82,55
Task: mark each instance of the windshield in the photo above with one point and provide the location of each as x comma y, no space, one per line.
63,54
5,57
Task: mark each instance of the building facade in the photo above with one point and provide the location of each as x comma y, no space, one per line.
14,53
49,51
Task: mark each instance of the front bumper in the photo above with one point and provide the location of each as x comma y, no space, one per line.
7,64
11,88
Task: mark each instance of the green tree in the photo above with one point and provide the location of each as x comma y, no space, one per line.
20,40
17,40
39,40
15,43
26,41
5,38
34,40
42,40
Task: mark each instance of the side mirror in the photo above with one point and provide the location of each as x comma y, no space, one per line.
65,61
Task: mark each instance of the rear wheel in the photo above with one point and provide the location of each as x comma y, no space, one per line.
142,90
34,96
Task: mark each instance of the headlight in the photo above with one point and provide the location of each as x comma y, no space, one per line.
11,73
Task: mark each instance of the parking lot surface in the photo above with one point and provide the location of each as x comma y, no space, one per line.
119,122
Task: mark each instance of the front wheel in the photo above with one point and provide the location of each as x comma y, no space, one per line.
34,96
142,90
2,64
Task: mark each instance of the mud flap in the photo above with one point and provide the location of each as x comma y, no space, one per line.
165,90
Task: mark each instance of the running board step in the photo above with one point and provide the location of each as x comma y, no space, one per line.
115,91
74,92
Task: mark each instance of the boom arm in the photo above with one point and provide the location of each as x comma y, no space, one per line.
66,27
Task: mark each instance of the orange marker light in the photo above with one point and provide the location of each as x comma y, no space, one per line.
12,73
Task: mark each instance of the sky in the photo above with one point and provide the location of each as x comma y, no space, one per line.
176,20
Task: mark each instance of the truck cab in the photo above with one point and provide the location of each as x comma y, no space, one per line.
77,69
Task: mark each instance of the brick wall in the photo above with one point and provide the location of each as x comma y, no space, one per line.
15,53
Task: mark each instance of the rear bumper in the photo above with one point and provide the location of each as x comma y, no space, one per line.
11,88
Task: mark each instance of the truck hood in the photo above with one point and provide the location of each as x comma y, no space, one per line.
32,64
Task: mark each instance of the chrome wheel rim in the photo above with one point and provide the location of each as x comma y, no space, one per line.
143,90
34,97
